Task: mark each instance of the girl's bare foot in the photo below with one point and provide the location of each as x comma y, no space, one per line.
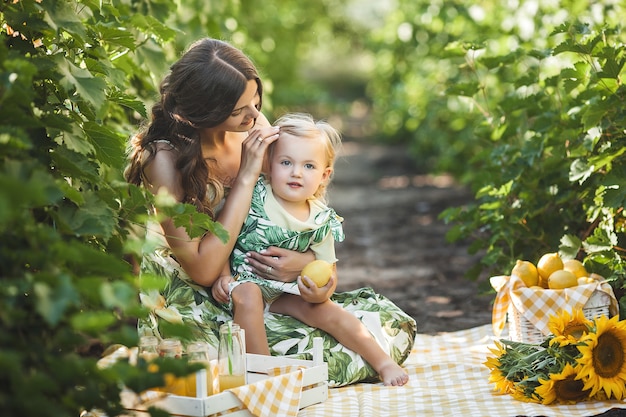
393,374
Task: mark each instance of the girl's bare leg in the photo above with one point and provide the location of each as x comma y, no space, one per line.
248,314
347,329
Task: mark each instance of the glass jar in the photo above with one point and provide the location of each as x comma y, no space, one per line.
198,352
148,347
170,348
148,350
173,348
231,356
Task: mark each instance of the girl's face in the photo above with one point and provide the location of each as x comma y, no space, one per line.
246,110
298,167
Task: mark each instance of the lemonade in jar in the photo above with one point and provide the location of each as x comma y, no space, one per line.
198,352
231,356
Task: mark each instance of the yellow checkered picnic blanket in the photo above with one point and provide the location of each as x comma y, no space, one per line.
447,378
279,396
538,305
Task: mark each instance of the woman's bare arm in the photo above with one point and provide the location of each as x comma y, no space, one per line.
203,259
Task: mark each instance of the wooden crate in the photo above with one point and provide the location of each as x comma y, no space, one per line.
522,330
314,388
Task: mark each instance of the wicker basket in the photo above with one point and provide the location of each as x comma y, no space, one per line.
522,330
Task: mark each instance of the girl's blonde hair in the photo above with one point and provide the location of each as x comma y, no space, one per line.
303,125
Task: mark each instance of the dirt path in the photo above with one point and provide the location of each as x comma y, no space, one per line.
395,243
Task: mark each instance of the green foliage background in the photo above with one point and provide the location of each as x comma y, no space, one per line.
76,80
523,103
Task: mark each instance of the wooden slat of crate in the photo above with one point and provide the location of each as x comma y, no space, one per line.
310,378
314,387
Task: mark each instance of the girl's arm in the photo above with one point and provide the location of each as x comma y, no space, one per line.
203,258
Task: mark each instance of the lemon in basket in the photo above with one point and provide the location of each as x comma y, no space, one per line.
562,279
586,280
575,267
527,271
547,264
596,277
319,271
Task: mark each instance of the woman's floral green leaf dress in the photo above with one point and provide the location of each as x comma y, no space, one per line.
181,300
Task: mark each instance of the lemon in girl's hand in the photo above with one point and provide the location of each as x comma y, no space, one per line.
319,271
527,272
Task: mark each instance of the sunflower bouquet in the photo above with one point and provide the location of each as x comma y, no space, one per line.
581,360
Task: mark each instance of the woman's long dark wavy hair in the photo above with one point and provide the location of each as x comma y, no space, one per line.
200,91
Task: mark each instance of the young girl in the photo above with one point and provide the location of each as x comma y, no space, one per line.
288,210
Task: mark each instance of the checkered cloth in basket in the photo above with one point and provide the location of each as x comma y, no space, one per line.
538,305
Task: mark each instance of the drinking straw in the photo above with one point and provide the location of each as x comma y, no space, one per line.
229,344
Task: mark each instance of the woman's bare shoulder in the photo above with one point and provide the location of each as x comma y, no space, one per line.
161,171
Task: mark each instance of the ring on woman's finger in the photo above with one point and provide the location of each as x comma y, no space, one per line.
268,270
259,139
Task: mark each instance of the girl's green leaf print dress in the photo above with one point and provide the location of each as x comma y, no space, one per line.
192,304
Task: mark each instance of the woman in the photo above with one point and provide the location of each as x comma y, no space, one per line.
205,145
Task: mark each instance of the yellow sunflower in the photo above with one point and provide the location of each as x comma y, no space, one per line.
562,387
603,358
502,385
568,329
518,394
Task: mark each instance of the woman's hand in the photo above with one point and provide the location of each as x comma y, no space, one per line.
253,151
220,288
278,264
312,293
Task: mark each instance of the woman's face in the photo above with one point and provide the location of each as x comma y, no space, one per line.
246,110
